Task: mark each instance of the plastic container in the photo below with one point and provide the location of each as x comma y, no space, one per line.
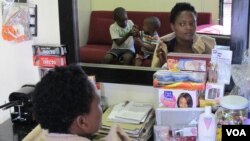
207,125
233,111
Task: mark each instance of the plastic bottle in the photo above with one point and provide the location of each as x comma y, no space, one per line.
207,126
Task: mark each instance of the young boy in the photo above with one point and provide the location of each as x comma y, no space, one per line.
147,39
122,35
67,105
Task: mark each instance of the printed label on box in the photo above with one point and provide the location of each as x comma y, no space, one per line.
177,98
49,61
214,91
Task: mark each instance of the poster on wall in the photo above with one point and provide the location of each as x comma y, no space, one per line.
15,22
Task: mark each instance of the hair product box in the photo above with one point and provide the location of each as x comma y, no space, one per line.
214,91
177,98
48,50
49,61
188,61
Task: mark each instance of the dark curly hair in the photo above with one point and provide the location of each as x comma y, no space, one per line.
154,21
118,12
178,8
60,96
188,98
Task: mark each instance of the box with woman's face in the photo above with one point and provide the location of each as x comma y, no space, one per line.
172,98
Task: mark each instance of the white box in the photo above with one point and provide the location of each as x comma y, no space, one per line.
222,59
177,116
177,98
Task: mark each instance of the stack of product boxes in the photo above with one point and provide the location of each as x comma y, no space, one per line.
47,56
190,83
179,89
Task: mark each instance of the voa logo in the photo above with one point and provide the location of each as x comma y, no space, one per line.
236,132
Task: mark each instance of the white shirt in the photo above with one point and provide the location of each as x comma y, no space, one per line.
118,32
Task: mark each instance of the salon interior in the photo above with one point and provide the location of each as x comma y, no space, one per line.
81,27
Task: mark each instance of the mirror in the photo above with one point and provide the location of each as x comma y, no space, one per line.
69,21
94,29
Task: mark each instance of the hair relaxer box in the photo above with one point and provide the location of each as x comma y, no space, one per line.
176,98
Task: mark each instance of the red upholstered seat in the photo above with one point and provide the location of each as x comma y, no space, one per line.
93,53
99,41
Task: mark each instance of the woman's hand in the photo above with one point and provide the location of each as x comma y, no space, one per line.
116,133
160,53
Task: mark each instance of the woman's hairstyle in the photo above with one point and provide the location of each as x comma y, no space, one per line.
188,98
62,94
178,8
118,12
154,21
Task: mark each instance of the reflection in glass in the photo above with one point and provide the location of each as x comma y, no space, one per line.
84,14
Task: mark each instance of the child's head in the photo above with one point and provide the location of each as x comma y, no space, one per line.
120,16
151,24
65,101
184,100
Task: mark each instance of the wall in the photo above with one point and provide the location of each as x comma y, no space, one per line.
16,59
84,10
157,5
116,93
48,22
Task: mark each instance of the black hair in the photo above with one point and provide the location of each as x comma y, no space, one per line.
178,8
154,21
118,12
62,94
188,98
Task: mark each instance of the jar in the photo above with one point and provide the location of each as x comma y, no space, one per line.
233,110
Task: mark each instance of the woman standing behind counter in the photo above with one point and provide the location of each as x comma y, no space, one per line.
184,39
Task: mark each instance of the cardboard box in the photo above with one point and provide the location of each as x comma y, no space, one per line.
177,98
49,50
49,61
214,91
188,61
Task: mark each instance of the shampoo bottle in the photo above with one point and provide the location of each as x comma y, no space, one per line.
207,126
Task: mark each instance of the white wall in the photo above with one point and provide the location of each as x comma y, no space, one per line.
116,93
84,10
48,22
157,5
16,59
